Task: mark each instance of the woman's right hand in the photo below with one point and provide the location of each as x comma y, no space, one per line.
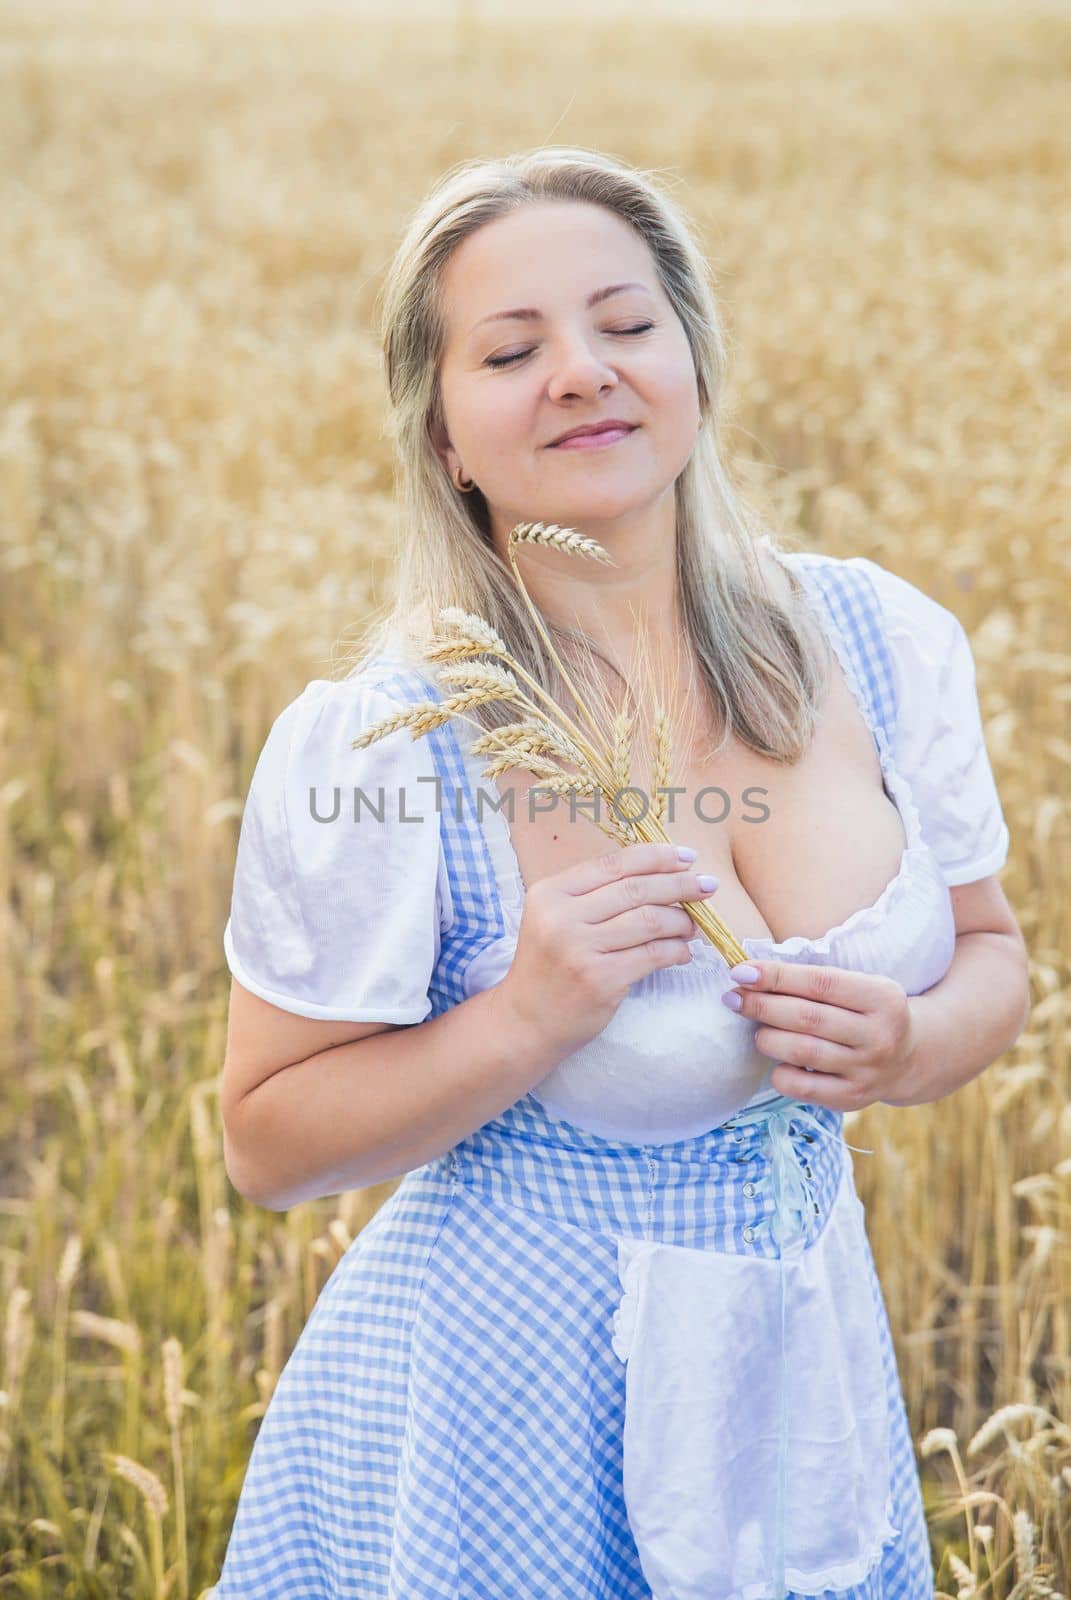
590,931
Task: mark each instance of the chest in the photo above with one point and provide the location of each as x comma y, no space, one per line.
797,849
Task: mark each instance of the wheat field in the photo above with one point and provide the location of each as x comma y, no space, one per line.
198,515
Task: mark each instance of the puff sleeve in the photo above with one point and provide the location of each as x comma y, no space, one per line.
335,913
939,746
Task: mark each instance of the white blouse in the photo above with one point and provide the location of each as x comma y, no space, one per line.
334,917
940,745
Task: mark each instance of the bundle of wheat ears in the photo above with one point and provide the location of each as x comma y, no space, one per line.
540,742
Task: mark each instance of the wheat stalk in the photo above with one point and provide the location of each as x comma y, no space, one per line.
476,637
154,1498
649,827
174,1391
573,543
660,773
509,760
477,634
537,735
1023,1535
65,1276
538,742
422,718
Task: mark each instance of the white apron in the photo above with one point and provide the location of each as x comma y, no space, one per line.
745,1479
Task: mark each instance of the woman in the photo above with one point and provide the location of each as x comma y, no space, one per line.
618,1331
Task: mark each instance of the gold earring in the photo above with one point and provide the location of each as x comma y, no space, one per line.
462,488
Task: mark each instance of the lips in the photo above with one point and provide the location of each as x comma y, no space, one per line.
612,425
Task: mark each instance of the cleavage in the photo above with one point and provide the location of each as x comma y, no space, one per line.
823,841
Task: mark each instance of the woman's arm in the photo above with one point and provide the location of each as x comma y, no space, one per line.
372,1108
981,1005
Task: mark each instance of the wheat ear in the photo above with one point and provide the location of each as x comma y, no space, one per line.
477,637
567,539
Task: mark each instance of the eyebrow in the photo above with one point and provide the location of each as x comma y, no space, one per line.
531,314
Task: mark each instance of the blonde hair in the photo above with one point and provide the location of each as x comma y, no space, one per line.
762,663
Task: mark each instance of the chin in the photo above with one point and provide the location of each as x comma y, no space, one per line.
599,508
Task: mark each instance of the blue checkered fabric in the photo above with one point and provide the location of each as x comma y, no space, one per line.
449,1423
846,594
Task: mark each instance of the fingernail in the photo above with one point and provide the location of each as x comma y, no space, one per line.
731,999
744,973
686,853
706,881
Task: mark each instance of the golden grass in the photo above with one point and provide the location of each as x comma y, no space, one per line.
197,505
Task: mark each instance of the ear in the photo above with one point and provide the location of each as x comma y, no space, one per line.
440,441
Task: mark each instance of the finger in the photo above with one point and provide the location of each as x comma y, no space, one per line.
617,862
793,1015
641,924
805,1050
837,986
816,1088
632,892
633,964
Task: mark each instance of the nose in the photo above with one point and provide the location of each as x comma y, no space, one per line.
579,372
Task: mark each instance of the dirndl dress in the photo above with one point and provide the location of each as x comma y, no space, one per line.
627,1339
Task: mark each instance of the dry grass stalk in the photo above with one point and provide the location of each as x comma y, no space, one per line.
174,1392
510,760
661,766
65,1276
120,1335
1001,1419
546,736
154,1498
966,1584
145,1481
1025,1556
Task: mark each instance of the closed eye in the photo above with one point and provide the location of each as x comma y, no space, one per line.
518,355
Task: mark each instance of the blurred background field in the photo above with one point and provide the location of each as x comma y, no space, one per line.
196,516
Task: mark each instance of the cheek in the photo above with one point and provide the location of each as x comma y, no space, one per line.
676,372
496,419
481,416
674,393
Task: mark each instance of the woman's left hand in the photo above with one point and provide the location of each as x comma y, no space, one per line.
841,1039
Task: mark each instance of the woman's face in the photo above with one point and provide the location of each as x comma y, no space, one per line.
512,385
